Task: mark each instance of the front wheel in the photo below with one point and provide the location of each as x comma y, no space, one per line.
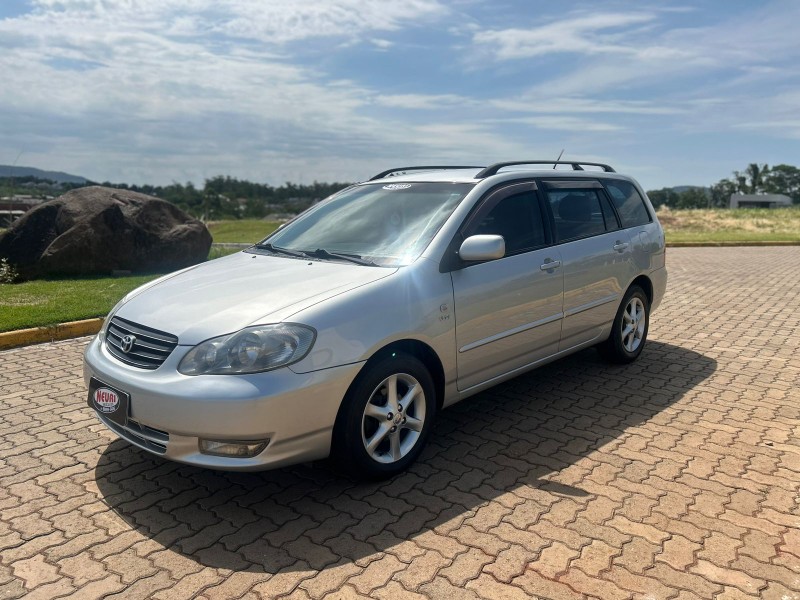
629,331
386,418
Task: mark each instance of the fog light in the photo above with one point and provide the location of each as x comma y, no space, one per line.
235,449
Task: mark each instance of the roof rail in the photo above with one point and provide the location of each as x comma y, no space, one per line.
388,172
576,166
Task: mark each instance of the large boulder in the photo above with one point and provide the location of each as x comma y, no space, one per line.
97,230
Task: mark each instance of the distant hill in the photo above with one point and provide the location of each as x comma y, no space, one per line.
57,176
679,189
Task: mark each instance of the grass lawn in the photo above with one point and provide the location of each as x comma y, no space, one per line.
217,252
49,302
726,225
247,231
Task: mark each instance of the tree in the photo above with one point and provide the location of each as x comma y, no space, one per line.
693,198
758,179
740,182
255,209
783,179
660,197
756,173
721,193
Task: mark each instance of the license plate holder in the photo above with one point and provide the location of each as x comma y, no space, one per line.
112,403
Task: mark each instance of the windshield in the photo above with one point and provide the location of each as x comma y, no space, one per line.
387,224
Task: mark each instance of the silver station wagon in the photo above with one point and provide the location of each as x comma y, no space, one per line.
345,331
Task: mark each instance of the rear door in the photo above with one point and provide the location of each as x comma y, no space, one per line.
508,311
646,236
596,255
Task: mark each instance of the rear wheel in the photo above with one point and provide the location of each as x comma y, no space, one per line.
629,331
386,418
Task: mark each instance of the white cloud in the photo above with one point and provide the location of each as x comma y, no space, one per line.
166,84
565,123
271,22
279,21
774,114
467,142
160,90
584,35
381,44
535,102
424,101
621,49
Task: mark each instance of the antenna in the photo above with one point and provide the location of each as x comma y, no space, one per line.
558,159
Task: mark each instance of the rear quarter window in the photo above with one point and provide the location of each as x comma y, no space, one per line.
629,203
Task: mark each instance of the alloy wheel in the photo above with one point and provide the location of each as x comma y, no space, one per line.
393,418
634,321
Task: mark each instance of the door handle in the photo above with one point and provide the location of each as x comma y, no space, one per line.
550,264
621,246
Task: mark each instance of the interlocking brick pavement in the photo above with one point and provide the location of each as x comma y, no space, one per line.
675,477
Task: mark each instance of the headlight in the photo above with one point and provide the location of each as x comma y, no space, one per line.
251,350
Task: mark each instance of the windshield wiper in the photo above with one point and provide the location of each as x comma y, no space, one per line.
354,258
279,250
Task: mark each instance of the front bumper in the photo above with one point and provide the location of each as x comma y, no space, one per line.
170,412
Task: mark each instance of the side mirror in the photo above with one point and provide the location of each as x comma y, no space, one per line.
482,247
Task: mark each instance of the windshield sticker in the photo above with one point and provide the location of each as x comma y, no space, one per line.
397,186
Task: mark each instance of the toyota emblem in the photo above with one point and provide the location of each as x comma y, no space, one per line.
126,343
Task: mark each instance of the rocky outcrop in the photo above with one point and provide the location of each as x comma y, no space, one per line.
96,230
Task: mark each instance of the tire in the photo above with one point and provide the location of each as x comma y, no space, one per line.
623,347
376,436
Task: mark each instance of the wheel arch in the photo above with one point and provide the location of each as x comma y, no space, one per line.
416,348
419,350
643,281
422,352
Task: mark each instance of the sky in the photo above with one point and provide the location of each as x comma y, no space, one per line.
156,91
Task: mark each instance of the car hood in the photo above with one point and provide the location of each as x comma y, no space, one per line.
224,295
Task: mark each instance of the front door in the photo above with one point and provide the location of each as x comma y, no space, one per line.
508,311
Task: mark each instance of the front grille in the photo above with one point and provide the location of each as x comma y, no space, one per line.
143,436
150,348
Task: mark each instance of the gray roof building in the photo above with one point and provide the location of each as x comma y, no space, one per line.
759,200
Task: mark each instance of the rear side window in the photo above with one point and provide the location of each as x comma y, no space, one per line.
577,213
630,204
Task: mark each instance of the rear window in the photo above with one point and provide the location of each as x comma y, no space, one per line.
630,204
577,214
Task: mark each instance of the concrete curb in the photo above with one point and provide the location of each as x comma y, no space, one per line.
727,244
37,335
